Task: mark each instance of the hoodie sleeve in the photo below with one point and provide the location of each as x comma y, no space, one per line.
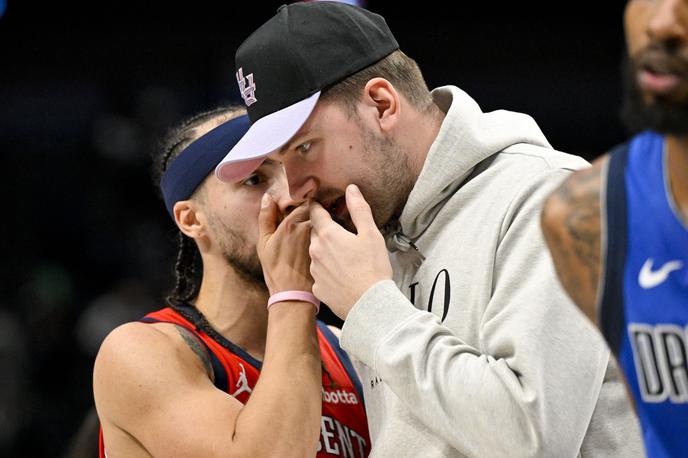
531,387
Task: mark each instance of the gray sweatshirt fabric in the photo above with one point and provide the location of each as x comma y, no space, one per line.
474,349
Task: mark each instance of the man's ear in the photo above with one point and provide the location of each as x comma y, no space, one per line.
381,95
189,218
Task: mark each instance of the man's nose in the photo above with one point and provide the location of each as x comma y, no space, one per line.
286,204
290,195
669,21
303,191
301,185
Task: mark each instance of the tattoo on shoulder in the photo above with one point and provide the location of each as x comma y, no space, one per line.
579,248
583,220
198,348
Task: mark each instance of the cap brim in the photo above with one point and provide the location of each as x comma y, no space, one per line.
265,135
237,171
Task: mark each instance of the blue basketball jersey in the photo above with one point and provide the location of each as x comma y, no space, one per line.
643,311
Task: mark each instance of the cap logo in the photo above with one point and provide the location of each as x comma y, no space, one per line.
247,87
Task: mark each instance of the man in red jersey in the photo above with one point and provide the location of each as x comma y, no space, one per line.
217,373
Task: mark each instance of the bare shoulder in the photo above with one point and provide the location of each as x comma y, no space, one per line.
130,343
581,188
571,227
128,353
136,366
574,206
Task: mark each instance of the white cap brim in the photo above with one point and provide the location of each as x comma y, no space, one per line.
264,136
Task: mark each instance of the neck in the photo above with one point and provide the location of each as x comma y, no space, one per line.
234,306
416,133
677,161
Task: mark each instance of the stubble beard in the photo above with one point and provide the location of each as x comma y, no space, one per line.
239,254
389,180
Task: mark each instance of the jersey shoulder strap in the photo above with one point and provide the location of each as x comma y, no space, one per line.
343,358
614,242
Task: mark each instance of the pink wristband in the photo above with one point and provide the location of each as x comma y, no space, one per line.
302,296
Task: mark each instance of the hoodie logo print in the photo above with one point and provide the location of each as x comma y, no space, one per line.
444,291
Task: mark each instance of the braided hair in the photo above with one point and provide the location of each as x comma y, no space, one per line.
188,268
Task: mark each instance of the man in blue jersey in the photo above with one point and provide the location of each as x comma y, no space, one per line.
618,232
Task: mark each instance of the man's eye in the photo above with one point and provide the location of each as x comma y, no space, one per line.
253,180
303,148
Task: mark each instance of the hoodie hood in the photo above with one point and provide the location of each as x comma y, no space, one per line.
467,137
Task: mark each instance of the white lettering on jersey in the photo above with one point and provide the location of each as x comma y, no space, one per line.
339,397
340,440
660,354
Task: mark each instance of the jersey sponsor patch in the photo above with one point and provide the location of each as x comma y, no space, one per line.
339,397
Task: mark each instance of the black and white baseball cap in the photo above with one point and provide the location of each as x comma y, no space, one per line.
286,62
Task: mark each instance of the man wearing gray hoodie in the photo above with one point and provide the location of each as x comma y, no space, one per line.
460,336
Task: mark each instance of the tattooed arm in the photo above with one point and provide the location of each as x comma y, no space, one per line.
571,227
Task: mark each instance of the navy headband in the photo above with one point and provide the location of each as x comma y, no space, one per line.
196,161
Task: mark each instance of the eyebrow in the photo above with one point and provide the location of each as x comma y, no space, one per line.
269,161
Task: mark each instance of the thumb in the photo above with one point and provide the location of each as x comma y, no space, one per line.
267,218
360,212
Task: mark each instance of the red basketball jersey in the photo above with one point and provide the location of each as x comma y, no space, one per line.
343,426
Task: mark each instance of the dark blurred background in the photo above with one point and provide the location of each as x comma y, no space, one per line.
87,91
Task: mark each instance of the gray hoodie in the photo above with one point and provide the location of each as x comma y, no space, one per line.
474,349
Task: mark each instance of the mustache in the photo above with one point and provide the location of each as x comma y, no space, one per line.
663,58
327,195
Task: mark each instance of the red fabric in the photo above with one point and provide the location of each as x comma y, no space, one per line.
101,445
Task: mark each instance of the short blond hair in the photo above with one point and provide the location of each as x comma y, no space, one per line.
397,68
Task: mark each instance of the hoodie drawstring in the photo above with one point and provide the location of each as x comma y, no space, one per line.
398,241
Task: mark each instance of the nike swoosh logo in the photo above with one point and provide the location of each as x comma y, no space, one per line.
649,278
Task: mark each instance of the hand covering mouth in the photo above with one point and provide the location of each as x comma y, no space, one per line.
337,209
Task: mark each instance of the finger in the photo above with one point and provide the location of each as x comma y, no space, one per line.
267,218
299,214
360,212
314,273
319,216
298,218
313,248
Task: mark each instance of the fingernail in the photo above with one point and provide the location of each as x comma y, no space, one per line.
354,189
265,201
